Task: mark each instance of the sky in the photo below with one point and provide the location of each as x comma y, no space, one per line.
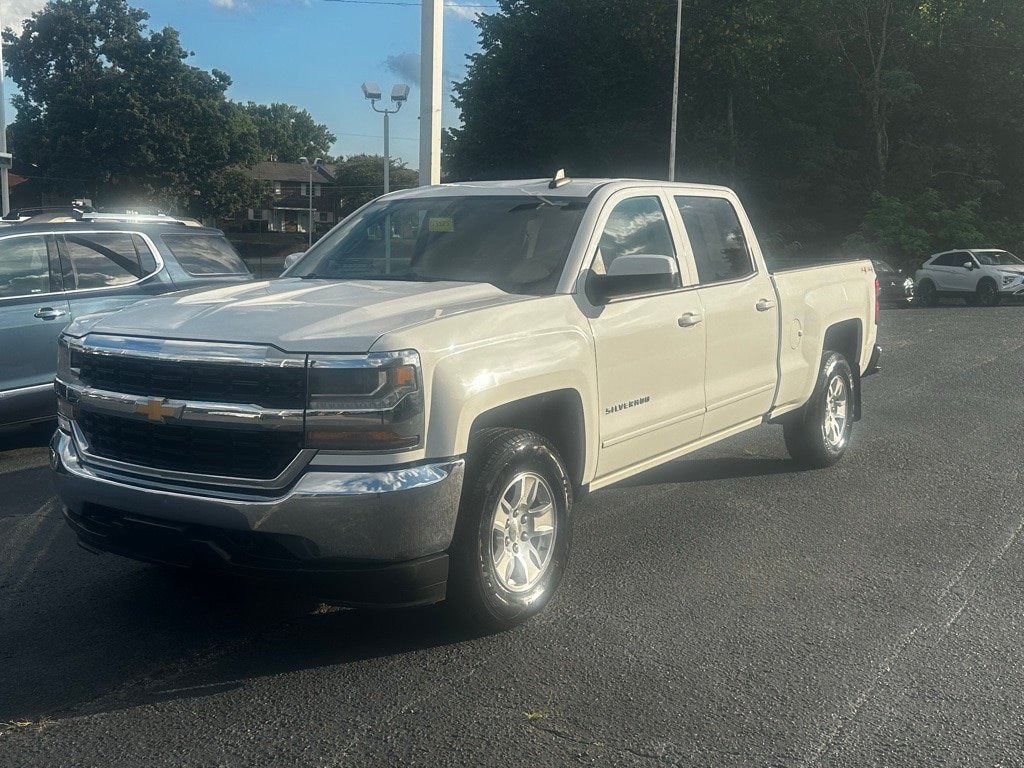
314,54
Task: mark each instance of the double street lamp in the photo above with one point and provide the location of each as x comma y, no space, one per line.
399,95
315,166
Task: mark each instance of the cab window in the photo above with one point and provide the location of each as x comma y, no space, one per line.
719,248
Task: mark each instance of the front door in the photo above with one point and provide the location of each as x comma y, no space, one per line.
650,348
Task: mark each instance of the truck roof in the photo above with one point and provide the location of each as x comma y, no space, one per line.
532,187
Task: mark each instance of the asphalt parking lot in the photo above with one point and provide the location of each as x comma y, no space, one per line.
722,610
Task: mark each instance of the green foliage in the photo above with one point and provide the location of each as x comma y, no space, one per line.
287,133
908,231
106,100
829,116
361,179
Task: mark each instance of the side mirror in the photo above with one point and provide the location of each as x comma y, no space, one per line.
633,275
969,265
290,259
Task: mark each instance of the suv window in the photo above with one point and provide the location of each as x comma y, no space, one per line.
635,226
104,259
24,266
205,254
957,259
716,237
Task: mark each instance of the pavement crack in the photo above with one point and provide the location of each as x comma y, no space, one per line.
881,672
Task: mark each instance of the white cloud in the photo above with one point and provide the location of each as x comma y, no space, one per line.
468,12
13,12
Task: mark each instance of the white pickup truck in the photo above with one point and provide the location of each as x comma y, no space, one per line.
407,415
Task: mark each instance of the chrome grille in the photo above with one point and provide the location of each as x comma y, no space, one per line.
266,386
252,454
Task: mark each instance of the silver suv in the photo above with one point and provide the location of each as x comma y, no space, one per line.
54,272
977,275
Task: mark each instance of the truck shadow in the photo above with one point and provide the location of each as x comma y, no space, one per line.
85,634
702,470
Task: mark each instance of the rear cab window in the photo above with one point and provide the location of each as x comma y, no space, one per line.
202,254
716,237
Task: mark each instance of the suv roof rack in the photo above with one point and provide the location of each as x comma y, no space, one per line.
138,218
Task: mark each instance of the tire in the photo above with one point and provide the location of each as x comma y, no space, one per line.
924,294
511,541
818,434
987,293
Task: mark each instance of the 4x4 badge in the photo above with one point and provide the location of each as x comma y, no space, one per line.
158,410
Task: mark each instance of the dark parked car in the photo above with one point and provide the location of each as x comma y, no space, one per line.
894,286
53,272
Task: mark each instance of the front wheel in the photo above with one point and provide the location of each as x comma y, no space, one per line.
819,433
987,293
512,538
925,295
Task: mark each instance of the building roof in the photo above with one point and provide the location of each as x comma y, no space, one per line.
267,170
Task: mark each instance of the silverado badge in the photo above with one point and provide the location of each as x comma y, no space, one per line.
158,410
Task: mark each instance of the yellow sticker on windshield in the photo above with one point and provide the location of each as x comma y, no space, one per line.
441,224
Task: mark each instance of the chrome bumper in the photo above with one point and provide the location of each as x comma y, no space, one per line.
386,516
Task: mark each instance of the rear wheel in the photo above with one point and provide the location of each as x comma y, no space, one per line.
512,538
987,293
819,433
925,294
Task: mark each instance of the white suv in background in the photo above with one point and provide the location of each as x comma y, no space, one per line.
976,275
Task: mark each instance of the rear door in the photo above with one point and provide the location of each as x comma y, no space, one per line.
740,313
33,311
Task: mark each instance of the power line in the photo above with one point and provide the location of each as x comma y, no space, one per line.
414,5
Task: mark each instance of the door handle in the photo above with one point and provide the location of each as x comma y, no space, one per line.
765,304
690,319
49,313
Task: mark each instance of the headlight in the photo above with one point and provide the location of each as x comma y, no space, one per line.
1009,279
365,403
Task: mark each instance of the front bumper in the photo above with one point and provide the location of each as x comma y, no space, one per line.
356,537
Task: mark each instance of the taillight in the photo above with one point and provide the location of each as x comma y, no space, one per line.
878,291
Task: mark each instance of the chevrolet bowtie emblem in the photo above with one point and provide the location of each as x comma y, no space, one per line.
158,410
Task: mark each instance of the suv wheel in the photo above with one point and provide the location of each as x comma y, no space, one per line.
988,293
925,295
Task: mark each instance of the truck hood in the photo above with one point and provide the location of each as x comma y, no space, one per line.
296,315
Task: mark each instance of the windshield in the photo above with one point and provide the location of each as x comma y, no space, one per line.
516,243
998,259
882,268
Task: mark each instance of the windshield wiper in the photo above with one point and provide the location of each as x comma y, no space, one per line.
411,277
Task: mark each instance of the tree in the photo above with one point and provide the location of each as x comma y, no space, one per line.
361,178
287,133
103,98
808,107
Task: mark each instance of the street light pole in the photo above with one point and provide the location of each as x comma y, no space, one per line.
675,96
316,165
399,95
5,194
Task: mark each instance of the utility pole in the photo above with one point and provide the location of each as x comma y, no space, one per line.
675,96
430,93
5,159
